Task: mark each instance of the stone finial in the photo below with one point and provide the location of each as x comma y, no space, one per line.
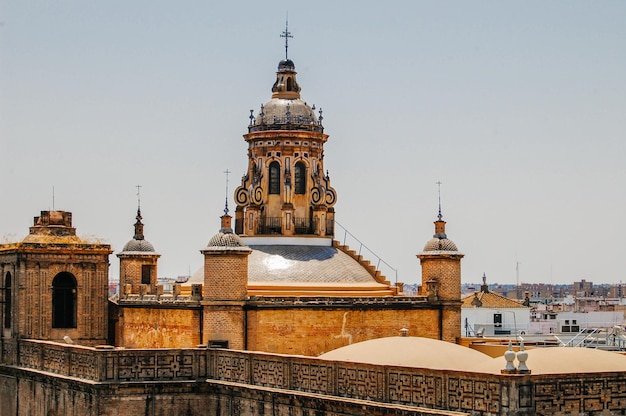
522,356
509,356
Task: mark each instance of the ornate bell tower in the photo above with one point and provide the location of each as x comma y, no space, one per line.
286,190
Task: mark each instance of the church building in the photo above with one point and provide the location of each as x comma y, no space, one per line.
278,282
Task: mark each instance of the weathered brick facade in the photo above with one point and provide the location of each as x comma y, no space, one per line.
445,268
158,326
133,271
224,324
225,274
312,327
59,283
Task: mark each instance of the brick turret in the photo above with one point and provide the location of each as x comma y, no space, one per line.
138,263
55,284
225,288
441,279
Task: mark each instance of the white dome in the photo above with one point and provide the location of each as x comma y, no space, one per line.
410,352
561,360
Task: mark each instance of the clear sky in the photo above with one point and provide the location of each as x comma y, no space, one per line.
518,108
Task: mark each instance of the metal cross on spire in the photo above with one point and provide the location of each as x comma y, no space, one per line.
226,205
138,224
138,197
286,34
439,216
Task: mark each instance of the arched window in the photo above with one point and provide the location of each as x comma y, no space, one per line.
7,300
274,178
300,178
64,301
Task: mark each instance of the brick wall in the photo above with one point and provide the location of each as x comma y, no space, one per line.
446,270
451,322
225,275
32,277
223,322
153,327
131,269
309,331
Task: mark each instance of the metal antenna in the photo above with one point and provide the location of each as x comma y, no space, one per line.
226,205
53,198
439,194
286,34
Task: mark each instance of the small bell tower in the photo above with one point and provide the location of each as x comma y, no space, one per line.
138,261
441,277
225,288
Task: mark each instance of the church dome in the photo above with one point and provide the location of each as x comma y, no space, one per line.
440,244
286,110
286,65
139,245
226,239
282,111
440,241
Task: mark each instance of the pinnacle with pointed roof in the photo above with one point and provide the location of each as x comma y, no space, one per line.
138,226
440,224
138,243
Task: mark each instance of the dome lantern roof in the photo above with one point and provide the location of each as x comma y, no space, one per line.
440,241
139,242
286,110
226,239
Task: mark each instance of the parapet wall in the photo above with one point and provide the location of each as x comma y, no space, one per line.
112,364
266,377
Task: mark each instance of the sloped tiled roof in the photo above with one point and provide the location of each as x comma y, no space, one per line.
490,300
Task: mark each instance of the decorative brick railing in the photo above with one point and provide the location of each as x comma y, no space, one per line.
410,386
112,365
9,351
475,393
